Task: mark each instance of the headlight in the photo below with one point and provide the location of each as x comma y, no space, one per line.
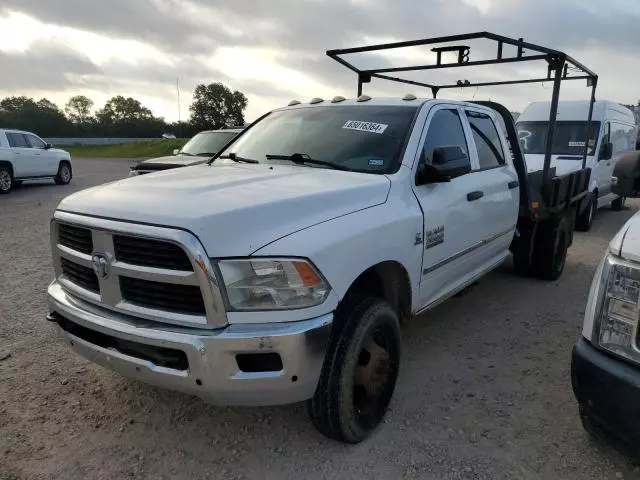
617,325
272,284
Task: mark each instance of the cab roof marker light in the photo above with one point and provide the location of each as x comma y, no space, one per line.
364,98
294,102
409,97
316,100
337,99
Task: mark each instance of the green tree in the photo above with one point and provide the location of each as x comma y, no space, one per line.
78,109
42,117
127,117
120,109
216,106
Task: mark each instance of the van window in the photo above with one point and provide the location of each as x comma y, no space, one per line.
568,138
485,136
623,138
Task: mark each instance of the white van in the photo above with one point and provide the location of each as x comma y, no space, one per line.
611,124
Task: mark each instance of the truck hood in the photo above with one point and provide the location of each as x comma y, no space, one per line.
233,209
626,243
177,160
563,165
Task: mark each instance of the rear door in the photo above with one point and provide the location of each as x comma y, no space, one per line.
452,216
47,162
26,160
498,205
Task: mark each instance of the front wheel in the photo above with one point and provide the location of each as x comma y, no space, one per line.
359,372
618,204
585,219
64,174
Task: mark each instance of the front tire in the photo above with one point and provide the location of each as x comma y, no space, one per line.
618,204
64,174
6,180
359,372
585,219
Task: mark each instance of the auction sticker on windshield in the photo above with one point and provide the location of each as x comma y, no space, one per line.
365,126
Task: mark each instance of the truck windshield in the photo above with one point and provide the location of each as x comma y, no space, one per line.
362,138
207,143
568,138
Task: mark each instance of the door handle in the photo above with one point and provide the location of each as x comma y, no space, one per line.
471,196
608,164
513,185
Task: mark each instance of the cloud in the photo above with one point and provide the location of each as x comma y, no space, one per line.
47,65
274,49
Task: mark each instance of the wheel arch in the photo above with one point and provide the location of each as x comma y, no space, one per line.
388,280
7,163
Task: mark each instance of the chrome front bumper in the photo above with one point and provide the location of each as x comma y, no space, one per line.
212,373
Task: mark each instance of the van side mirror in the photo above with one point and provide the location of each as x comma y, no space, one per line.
626,176
607,151
176,151
47,146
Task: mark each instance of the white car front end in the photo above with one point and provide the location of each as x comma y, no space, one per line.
606,360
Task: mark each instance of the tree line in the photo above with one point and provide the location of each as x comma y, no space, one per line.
213,106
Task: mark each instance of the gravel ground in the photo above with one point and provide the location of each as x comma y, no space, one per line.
484,390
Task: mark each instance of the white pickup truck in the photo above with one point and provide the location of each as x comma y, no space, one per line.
25,156
281,270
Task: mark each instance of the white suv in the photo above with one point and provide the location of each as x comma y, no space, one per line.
25,156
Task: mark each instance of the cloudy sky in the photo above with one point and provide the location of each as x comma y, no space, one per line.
273,50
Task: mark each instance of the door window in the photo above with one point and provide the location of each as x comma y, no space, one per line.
623,138
606,138
17,140
446,146
485,136
34,141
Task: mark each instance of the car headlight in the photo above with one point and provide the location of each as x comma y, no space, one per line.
617,319
272,284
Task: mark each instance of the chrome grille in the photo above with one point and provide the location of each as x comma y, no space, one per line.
76,238
150,253
82,276
165,296
155,273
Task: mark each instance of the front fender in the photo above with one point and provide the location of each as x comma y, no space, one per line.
346,246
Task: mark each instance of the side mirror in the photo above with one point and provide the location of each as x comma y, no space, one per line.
427,174
607,151
626,176
47,146
176,151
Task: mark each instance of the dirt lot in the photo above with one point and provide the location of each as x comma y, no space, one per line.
484,390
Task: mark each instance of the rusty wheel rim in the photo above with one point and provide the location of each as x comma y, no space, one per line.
375,376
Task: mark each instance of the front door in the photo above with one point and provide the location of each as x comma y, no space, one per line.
452,216
47,163
604,166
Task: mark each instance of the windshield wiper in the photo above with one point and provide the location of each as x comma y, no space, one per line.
186,153
302,158
204,154
235,158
